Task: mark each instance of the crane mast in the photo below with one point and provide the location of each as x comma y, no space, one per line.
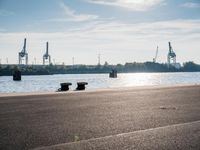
23,55
171,57
156,55
46,56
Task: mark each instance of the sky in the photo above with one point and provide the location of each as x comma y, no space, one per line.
119,30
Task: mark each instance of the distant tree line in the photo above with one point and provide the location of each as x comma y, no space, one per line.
6,70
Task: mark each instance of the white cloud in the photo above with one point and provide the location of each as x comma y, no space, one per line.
4,12
191,5
180,29
117,42
135,5
72,15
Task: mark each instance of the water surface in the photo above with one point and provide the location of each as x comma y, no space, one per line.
95,81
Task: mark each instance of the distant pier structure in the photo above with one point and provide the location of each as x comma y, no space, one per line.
46,56
113,73
17,75
23,55
171,57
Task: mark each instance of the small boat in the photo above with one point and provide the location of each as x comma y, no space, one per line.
113,74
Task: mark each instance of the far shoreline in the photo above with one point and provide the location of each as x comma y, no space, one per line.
101,73
128,67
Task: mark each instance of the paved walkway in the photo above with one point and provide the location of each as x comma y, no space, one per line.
149,118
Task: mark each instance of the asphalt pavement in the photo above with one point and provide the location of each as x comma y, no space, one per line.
147,118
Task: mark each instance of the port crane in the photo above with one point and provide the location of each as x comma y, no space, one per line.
99,59
23,54
155,58
46,56
171,55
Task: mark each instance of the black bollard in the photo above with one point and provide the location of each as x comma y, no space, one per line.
65,86
81,85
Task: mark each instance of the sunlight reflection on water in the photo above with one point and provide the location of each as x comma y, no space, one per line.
96,81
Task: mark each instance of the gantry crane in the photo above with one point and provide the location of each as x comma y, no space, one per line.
155,58
23,54
46,56
171,55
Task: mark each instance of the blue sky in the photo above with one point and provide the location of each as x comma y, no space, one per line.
121,30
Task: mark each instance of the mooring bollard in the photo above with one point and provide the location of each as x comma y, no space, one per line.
81,85
65,86
17,75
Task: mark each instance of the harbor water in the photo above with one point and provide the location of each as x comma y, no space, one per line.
96,81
